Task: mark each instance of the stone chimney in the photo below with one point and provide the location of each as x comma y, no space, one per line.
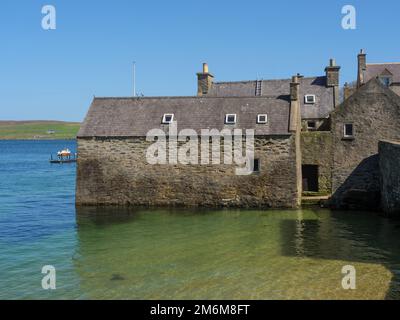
362,66
348,91
332,79
204,81
295,104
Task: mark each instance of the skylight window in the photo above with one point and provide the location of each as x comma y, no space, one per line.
309,98
230,119
168,118
262,118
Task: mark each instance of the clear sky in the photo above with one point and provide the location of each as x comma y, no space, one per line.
53,74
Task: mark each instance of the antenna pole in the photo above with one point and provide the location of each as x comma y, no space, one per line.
134,78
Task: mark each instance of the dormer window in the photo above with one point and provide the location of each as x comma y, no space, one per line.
230,119
309,98
386,80
168,118
262,119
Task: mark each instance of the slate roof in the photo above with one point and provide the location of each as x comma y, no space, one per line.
310,85
134,117
376,69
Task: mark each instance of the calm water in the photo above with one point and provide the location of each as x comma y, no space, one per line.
161,254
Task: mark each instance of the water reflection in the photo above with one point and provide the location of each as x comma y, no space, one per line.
233,254
346,236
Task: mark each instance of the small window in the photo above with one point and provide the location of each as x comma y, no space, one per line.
256,165
348,130
311,125
230,119
262,118
168,118
309,98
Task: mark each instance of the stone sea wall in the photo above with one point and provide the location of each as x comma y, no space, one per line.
389,164
114,171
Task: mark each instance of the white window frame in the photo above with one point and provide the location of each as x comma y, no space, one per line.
260,121
310,95
346,136
164,120
229,115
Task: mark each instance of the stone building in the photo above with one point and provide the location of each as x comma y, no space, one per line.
388,73
371,114
114,141
304,141
319,95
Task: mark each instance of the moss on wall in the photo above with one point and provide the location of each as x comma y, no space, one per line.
316,149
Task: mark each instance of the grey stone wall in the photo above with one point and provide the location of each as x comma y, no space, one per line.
316,149
114,171
374,112
389,164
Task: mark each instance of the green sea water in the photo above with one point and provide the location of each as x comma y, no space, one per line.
135,253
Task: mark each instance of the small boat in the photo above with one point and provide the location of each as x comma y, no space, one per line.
64,153
64,156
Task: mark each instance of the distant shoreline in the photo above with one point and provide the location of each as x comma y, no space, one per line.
38,130
44,139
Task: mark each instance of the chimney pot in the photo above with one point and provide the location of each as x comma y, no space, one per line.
205,68
332,62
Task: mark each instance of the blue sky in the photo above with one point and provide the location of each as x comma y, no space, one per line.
55,74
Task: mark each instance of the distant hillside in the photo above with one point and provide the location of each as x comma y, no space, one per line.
41,130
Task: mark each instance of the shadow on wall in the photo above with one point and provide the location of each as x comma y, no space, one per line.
361,188
344,236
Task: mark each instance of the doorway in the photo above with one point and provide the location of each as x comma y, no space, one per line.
310,178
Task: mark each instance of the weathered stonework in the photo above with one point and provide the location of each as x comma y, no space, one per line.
389,164
395,88
114,171
374,111
316,149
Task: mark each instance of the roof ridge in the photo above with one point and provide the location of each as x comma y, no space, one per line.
381,63
188,97
280,79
